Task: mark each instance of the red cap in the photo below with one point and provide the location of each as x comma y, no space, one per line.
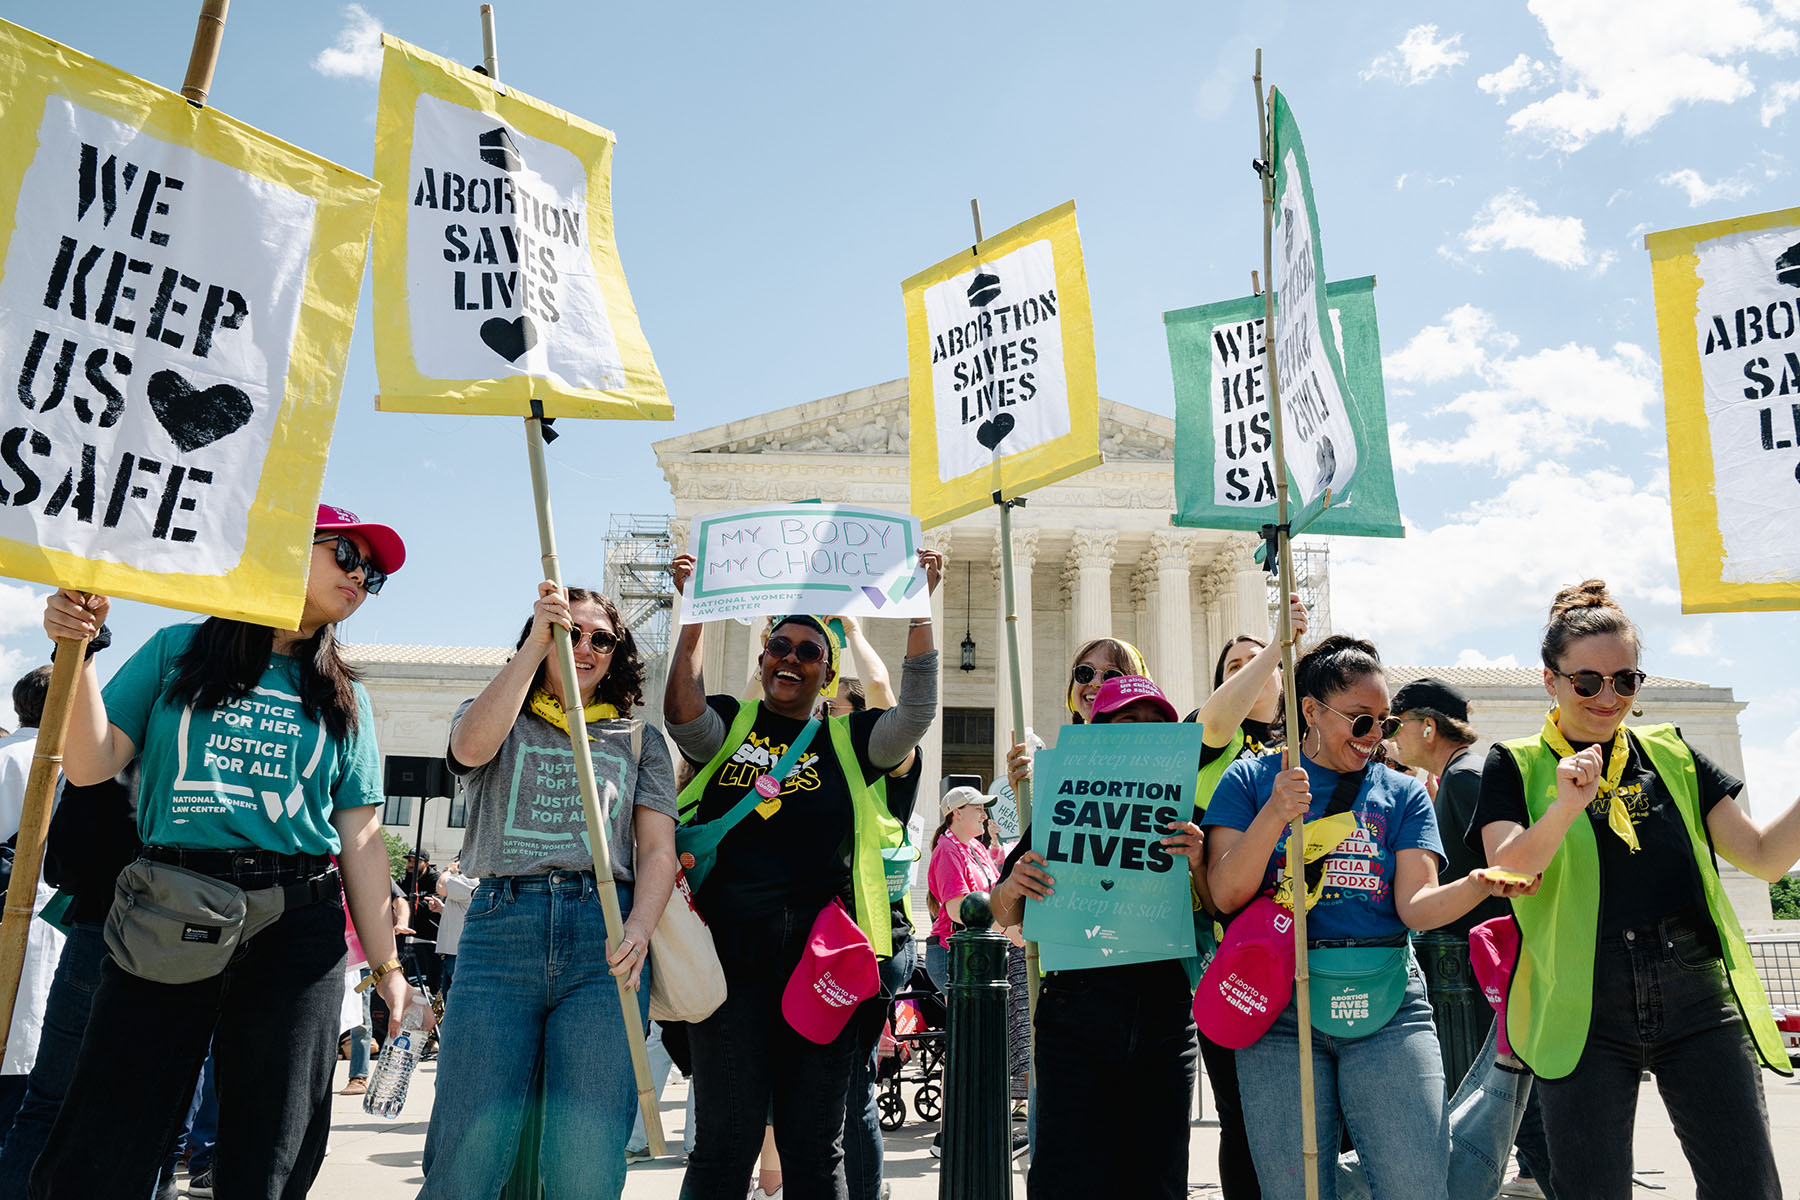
1121,690
1493,953
1251,979
385,546
837,972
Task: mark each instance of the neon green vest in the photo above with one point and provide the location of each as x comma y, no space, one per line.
873,826
1549,1006
1207,781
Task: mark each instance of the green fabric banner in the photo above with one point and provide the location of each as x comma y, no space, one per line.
1224,473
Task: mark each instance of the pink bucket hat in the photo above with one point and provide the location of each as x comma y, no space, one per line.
1493,953
837,972
1251,979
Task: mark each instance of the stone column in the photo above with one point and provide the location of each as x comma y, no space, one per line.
931,749
1222,578
1169,556
1143,608
1093,553
1208,628
1252,587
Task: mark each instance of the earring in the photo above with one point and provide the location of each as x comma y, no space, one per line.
1637,710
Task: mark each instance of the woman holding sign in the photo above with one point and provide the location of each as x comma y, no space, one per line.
781,825
257,762
1115,1044
1372,858
1631,921
537,972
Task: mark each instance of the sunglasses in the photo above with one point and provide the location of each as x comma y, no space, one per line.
1362,724
603,641
349,559
1085,674
781,647
1588,684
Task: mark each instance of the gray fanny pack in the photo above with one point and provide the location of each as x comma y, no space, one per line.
169,924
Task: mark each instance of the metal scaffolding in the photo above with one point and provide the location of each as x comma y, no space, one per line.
1312,579
639,548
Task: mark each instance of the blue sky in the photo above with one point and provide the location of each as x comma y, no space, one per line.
781,169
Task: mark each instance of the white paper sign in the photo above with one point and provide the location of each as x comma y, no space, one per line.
1748,331
147,311
824,559
1319,444
997,360
498,266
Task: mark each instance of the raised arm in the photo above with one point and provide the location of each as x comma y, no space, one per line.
904,726
1232,700
878,687
483,728
684,696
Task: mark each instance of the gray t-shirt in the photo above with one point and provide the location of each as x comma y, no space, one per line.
524,804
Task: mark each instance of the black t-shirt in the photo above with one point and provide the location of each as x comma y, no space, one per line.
1459,790
1658,881
792,851
1260,737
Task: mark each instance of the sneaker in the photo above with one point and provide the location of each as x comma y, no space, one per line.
1522,1185
639,1155
201,1184
356,1087
1020,1142
937,1144
757,1193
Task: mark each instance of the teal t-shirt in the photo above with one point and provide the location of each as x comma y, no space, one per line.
254,772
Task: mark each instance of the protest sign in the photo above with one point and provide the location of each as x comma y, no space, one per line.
1320,446
1224,475
813,558
1000,365
176,302
497,278
1728,321
1106,794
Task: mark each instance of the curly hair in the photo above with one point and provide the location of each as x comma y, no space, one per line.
623,684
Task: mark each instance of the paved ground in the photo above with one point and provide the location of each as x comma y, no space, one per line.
373,1159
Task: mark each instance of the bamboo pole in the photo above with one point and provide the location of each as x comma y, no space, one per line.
208,35
572,705
1296,846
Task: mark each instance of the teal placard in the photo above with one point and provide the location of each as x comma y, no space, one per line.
1224,474
1102,799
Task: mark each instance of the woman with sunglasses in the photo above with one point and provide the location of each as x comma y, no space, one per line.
256,763
537,970
1373,853
1631,958
822,816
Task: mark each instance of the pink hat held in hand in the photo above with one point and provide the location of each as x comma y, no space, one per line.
1494,953
1251,978
836,973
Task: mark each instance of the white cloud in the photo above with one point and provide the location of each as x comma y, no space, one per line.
1696,641
1627,64
21,607
1420,56
1701,192
357,52
1468,657
1777,99
1554,403
1511,221
1771,752
1524,73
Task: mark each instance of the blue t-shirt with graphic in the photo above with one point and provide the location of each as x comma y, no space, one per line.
253,772
1393,813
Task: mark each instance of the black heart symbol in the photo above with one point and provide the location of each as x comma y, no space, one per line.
509,339
994,429
197,418
1106,885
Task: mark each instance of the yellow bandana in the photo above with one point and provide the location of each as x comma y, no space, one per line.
1617,819
1322,837
550,708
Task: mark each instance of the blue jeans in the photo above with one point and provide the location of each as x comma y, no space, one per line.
203,1120
534,977
937,965
1484,1120
1662,1004
65,1020
359,1037
863,1157
1388,1087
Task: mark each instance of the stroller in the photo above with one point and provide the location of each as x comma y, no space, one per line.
911,1053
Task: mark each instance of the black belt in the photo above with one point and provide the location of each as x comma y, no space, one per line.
303,878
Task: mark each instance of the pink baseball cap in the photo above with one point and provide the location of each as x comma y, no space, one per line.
837,972
1251,978
1493,953
385,546
1122,690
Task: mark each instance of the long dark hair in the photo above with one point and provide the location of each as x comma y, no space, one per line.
1333,665
623,684
226,660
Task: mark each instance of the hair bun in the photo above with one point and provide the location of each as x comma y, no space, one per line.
1589,593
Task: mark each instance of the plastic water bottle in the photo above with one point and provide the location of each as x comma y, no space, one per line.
387,1090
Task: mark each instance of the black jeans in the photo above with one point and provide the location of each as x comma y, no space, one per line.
746,1055
1662,1004
272,1019
1237,1171
1115,1060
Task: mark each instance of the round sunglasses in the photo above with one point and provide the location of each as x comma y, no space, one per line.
349,559
782,647
1084,674
1363,724
1588,684
602,640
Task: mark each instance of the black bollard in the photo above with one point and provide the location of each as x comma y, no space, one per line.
977,1107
